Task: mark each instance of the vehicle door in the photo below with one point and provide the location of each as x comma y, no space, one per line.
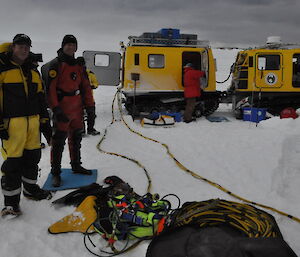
105,65
268,70
204,67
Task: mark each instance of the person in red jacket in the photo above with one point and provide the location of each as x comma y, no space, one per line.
192,90
69,93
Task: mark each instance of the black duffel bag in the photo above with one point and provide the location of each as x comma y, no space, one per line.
219,241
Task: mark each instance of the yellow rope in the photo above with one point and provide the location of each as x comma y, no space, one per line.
120,155
248,219
197,176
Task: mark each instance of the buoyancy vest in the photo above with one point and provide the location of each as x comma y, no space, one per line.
134,218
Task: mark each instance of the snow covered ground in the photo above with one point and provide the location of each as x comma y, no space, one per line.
259,163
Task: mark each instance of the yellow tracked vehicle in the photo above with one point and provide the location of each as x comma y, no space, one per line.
152,71
266,77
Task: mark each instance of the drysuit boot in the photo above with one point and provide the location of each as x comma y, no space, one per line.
78,169
58,143
75,155
36,193
56,180
188,121
11,211
11,182
31,190
91,122
93,132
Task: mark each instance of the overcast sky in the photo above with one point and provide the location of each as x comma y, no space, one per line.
102,24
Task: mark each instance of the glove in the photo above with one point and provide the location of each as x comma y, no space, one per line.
59,115
4,134
46,130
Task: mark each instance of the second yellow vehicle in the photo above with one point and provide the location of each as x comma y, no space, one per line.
266,77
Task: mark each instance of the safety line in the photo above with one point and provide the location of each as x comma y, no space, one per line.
221,82
197,176
135,244
121,155
247,218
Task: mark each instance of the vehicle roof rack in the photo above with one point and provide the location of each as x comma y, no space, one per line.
140,41
274,46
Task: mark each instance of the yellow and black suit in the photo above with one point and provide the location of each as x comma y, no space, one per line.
22,108
93,79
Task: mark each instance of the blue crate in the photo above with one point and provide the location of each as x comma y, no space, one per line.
254,114
170,33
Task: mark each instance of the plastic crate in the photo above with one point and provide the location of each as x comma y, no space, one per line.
254,114
170,33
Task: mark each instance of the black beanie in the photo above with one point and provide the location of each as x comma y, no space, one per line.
68,39
21,39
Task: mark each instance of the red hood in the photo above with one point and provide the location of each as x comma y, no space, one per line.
187,69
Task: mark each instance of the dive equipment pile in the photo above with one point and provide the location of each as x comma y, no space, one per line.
122,217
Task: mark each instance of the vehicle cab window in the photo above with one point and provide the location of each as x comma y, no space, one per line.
156,61
296,70
269,62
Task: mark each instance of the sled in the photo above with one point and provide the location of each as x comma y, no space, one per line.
161,121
